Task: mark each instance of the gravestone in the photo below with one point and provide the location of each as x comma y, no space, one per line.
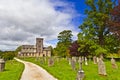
95,60
73,64
113,62
50,62
2,65
42,61
101,67
70,59
86,63
75,59
80,75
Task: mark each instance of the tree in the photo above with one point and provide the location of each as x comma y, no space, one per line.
74,49
112,43
98,14
1,52
18,49
64,41
114,21
8,55
65,37
94,29
60,50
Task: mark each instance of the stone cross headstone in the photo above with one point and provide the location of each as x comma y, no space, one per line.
50,62
113,62
101,67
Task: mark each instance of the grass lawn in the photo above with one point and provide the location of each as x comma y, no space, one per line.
63,71
13,70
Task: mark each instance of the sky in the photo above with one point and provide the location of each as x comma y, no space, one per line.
22,21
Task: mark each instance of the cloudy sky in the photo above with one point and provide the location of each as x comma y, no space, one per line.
21,21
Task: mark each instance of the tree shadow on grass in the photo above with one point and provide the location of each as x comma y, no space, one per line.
6,70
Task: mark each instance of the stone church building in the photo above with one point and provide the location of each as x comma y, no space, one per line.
35,50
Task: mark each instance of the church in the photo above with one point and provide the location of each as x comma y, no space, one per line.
37,50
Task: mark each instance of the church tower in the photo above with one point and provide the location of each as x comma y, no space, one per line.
39,45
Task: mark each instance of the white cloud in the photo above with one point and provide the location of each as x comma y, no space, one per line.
21,21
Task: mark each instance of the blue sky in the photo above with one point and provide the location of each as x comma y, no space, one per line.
79,6
21,21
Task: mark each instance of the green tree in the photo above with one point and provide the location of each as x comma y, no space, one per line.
51,48
64,41
98,15
95,28
1,52
112,43
17,50
8,55
65,37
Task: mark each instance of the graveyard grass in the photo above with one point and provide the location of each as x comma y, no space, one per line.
63,71
13,70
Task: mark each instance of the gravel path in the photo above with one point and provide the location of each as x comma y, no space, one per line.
34,72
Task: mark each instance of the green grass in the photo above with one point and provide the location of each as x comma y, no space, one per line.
63,71
13,70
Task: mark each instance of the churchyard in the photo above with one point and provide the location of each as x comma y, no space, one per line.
98,38
62,70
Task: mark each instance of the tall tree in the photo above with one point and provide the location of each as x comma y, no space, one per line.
94,29
114,22
18,49
98,14
65,37
64,41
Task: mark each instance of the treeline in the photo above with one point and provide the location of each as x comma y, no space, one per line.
9,55
85,46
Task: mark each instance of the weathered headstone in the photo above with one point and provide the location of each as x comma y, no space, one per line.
101,67
2,65
81,59
75,59
70,59
42,61
95,60
73,64
86,63
50,62
80,75
113,62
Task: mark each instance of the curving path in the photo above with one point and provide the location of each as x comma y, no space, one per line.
34,72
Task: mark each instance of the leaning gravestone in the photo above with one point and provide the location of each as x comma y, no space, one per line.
2,65
50,62
101,67
113,62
